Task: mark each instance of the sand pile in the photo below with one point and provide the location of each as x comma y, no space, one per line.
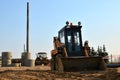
44,73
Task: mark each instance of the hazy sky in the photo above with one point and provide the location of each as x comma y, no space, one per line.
100,20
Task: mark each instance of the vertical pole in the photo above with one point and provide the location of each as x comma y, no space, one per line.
24,48
111,59
80,39
27,41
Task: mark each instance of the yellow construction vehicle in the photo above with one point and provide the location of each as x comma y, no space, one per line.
69,54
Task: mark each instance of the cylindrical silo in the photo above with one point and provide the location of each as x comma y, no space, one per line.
25,56
30,63
6,59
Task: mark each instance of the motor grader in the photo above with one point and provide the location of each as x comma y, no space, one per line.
69,54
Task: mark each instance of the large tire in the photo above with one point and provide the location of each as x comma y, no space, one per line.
53,64
102,65
58,63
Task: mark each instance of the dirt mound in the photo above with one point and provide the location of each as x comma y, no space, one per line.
44,73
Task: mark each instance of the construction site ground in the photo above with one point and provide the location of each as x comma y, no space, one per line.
44,73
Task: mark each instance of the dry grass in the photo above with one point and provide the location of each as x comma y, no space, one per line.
44,73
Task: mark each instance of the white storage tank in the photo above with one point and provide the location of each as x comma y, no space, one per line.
24,58
6,59
30,63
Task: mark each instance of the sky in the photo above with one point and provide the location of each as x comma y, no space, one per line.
99,18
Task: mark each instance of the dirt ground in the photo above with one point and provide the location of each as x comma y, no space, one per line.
44,73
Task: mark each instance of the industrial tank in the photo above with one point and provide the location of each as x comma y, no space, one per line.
6,59
26,60
25,56
30,63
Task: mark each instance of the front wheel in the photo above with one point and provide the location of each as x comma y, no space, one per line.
58,63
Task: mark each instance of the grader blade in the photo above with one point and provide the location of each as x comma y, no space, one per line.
81,64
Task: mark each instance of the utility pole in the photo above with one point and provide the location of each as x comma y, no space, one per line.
27,36
26,55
